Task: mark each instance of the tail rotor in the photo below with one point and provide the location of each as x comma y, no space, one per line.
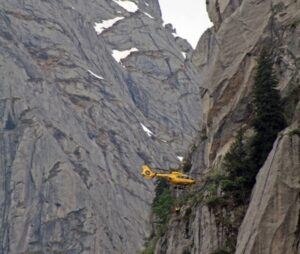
147,172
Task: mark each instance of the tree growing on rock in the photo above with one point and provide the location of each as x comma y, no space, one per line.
269,118
237,181
244,159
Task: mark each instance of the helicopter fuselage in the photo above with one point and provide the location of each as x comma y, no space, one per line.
175,177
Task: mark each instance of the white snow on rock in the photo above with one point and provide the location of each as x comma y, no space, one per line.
147,14
184,54
180,158
101,26
118,55
127,5
95,75
148,132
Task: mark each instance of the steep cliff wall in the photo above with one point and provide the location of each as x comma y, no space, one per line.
271,224
72,104
226,57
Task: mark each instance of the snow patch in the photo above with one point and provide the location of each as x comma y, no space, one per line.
148,132
118,55
101,26
147,14
95,75
180,158
184,54
127,5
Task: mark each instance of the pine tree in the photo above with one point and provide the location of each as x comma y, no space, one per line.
237,182
163,201
269,118
233,160
244,159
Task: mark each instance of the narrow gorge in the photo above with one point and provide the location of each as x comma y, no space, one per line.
92,90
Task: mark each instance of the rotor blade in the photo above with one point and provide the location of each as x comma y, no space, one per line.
162,169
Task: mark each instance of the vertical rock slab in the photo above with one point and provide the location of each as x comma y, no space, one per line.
271,224
72,111
226,57
191,232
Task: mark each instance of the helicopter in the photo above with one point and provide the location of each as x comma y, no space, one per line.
175,177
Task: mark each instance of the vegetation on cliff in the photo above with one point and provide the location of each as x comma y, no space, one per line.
269,118
247,155
162,206
227,191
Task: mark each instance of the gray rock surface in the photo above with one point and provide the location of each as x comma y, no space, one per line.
71,137
196,233
271,224
219,10
226,57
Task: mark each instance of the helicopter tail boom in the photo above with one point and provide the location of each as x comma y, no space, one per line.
147,172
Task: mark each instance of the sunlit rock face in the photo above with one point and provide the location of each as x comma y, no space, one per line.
79,82
219,10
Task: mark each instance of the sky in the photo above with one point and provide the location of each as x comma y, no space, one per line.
188,17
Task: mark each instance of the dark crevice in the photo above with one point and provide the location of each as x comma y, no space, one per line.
297,233
10,124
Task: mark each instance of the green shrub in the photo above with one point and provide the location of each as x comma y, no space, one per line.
149,250
163,204
215,201
238,179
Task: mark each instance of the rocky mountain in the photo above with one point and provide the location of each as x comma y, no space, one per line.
226,57
90,90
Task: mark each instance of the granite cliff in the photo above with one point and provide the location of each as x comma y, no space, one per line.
90,90
226,57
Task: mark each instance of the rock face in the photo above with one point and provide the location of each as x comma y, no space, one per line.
219,10
226,57
271,224
196,233
72,139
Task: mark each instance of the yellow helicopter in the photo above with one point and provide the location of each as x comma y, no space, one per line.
175,177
